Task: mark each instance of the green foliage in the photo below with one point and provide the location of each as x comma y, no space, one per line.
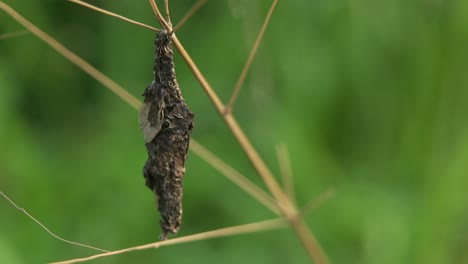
369,96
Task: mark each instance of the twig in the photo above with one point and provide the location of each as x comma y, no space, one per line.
241,79
103,11
190,13
166,7
46,229
308,241
228,231
159,17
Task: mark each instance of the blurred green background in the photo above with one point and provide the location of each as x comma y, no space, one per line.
369,96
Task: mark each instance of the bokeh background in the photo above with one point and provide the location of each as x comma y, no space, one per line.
369,96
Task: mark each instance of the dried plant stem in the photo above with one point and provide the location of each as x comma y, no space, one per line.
46,229
100,10
308,240
286,172
190,13
253,51
159,17
228,231
166,7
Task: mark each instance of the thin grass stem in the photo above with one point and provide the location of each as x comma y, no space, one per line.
158,16
223,232
103,11
253,51
168,16
47,229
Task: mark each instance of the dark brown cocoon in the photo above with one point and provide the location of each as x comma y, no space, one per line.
166,123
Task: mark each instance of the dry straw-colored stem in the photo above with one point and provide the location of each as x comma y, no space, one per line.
100,10
166,7
159,17
228,231
253,51
235,230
